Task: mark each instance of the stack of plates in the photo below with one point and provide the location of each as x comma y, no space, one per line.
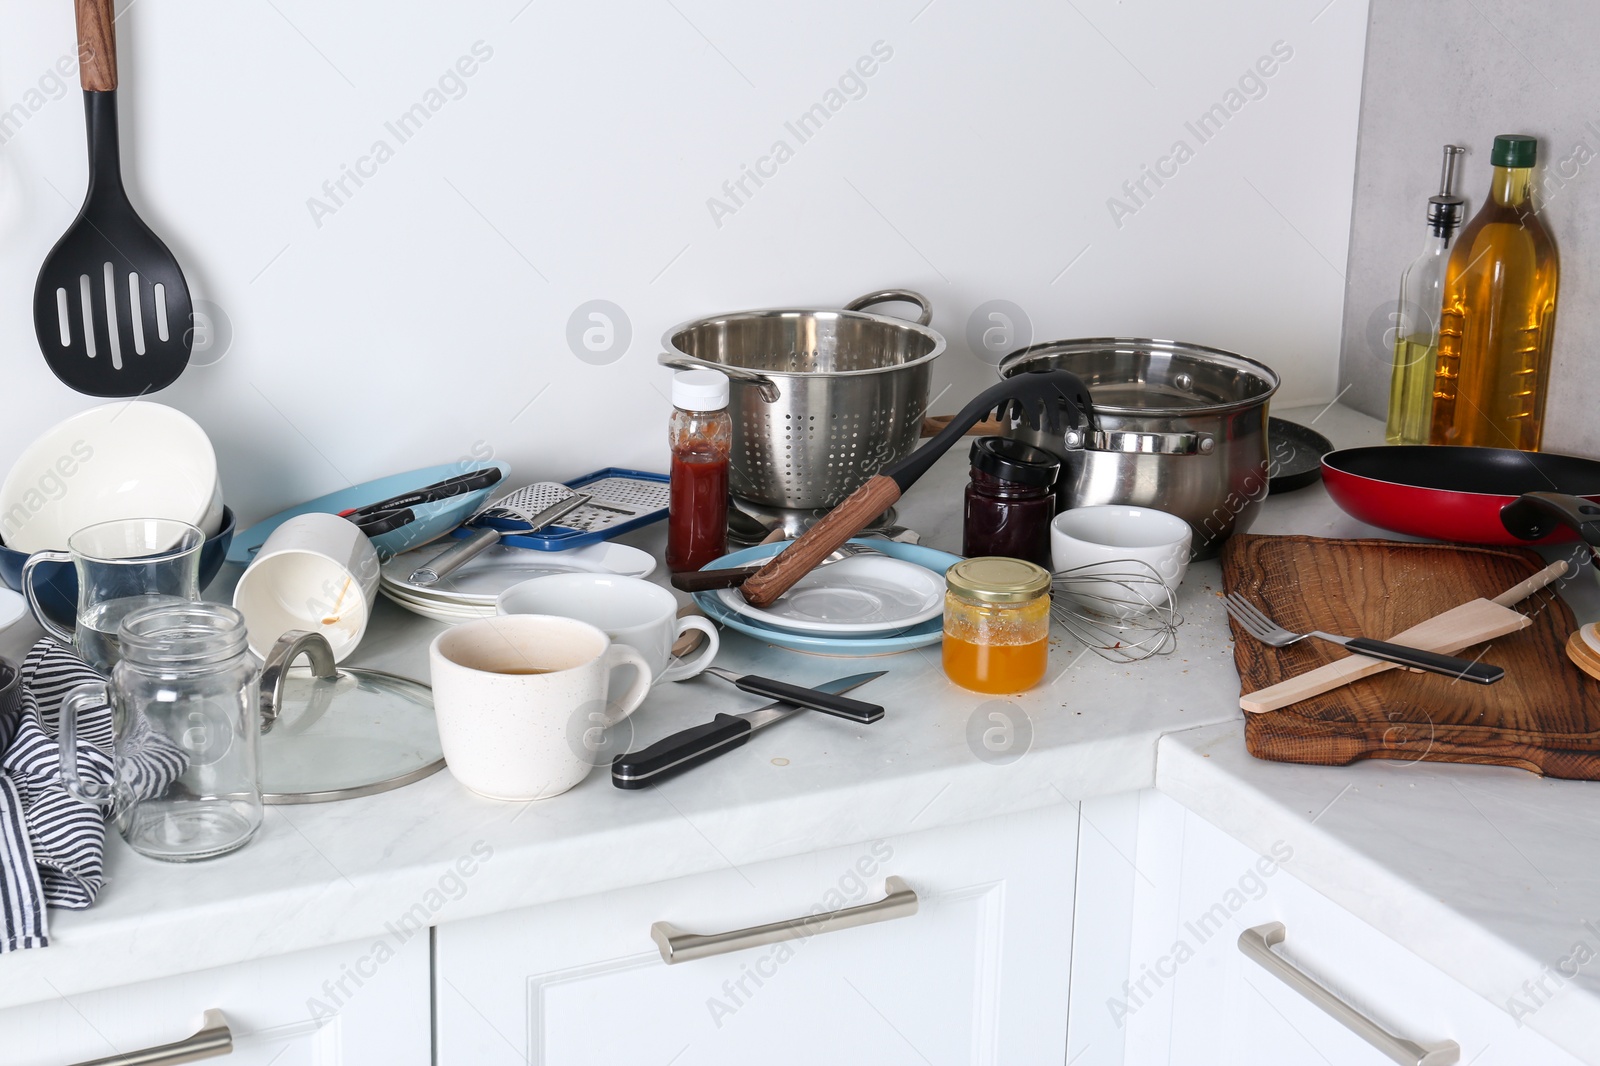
471,591
864,605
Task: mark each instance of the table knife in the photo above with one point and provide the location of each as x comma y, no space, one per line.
702,743
825,700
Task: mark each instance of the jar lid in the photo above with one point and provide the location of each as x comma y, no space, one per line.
700,390
1012,460
997,579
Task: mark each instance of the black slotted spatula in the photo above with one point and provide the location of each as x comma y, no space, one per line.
111,307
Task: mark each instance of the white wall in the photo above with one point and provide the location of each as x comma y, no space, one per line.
429,311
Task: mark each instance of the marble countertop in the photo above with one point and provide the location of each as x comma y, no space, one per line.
331,873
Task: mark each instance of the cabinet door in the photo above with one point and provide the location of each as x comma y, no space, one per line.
1195,999
978,974
340,1006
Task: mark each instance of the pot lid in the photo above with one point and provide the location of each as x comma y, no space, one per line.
330,734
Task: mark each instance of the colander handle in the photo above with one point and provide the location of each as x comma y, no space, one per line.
885,296
768,387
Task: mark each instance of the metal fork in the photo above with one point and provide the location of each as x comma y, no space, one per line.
1258,625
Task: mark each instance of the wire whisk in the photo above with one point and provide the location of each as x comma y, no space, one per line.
1121,610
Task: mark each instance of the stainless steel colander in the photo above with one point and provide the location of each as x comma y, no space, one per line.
820,400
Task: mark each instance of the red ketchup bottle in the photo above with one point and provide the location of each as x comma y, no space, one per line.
700,433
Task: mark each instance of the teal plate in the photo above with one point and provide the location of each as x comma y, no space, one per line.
434,520
918,636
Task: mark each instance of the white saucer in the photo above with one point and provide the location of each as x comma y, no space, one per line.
481,580
862,594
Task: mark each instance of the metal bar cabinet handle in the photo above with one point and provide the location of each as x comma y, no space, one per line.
213,1039
1257,944
679,946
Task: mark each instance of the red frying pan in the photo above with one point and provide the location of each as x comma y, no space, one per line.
1458,493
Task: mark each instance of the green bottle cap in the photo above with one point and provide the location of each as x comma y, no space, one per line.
1514,150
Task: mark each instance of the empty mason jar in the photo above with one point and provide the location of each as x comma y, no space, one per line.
186,722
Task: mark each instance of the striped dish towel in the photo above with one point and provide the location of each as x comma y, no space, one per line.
52,846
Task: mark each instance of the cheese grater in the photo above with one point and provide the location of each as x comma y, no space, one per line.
619,501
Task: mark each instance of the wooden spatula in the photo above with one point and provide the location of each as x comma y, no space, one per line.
111,307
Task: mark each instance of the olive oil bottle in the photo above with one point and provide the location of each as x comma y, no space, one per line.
1499,308
1416,323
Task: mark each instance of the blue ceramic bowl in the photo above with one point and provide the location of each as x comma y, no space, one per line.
57,583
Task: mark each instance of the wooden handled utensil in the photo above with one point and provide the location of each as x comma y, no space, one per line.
111,307
1045,398
1460,627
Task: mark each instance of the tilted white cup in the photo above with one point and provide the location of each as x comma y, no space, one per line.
629,610
316,572
523,702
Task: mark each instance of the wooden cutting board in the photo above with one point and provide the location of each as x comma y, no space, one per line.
1544,716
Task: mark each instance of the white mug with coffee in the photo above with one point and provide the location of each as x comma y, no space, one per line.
523,701
629,610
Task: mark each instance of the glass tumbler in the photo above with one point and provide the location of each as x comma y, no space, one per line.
186,726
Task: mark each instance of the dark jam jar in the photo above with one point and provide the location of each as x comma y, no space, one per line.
1010,501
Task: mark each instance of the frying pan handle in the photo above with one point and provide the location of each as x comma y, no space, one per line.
884,296
1535,515
97,45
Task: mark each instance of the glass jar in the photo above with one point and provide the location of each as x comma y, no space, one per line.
186,724
996,624
700,435
1010,500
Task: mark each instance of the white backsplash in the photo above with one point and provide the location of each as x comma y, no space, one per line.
397,214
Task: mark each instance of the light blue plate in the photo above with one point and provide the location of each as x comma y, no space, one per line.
434,520
918,636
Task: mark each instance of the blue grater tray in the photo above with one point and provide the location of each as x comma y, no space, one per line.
623,500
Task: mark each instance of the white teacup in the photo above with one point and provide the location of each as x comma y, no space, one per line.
629,610
316,572
523,702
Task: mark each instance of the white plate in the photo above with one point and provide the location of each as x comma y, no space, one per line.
862,594
438,612
480,582
13,608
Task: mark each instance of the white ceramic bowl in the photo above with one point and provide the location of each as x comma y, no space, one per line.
131,459
1106,533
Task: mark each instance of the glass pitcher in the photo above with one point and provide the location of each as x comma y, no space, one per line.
186,726
122,567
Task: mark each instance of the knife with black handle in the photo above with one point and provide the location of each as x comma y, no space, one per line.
702,743
815,699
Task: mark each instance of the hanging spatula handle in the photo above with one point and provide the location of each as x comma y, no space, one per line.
97,45
821,540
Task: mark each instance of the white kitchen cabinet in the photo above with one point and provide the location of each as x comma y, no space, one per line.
347,1005
978,974
1194,999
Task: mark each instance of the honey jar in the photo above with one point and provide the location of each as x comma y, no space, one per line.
996,624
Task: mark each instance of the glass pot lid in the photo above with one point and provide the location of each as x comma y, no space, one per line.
330,734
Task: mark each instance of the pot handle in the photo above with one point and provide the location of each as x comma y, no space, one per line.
1139,443
768,388
884,296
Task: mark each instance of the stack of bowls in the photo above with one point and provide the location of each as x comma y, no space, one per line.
132,459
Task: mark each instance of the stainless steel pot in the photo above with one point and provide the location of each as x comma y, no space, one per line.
820,400
1179,427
